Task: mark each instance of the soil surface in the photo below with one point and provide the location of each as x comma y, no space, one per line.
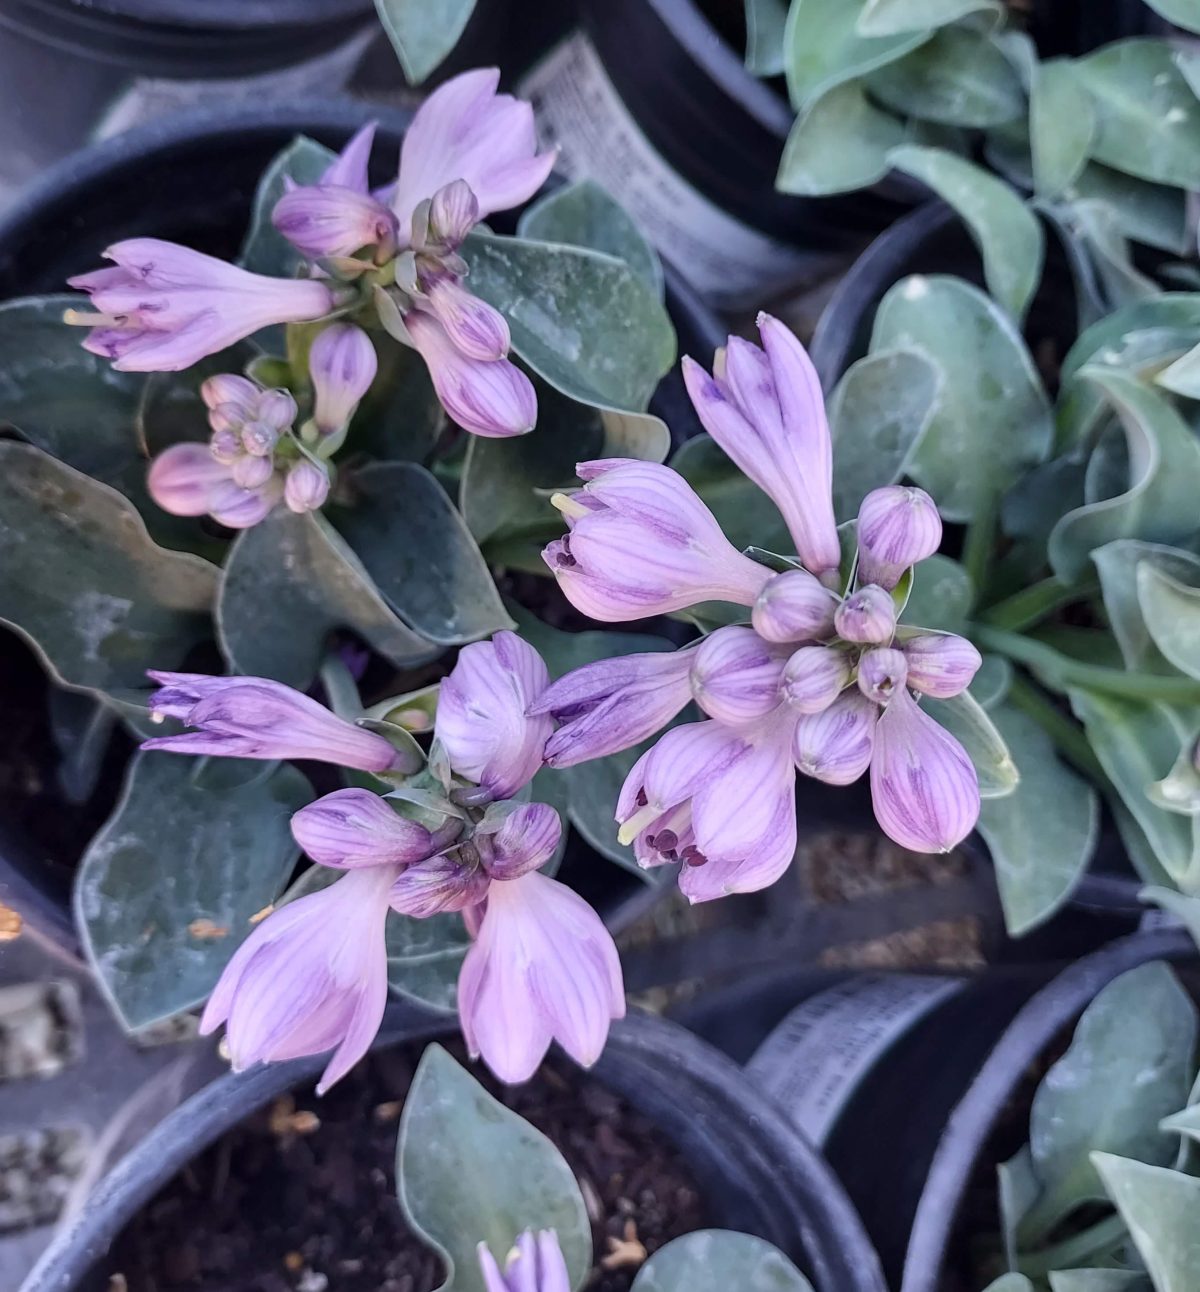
301,1197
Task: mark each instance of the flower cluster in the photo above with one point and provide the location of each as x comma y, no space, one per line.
314,975
535,1264
385,260
822,679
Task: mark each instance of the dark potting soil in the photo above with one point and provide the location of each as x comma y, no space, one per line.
301,1197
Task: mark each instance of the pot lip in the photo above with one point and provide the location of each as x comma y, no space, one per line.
638,1042
265,16
1033,1028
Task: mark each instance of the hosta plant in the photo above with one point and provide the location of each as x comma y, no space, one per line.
1103,1197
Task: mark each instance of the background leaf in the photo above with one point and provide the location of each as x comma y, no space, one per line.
993,419
965,718
1118,564
288,583
765,23
166,889
1171,610
419,553
941,596
108,604
838,143
423,32
1160,1209
890,17
1062,124
747,516
470,1171
719,1260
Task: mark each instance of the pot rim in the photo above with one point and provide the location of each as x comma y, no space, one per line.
214,15
640,1047
1033,1028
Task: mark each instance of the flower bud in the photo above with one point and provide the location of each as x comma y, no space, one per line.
354,827
306,487
868,615
814,677
342,363
882,673
794,607
226,447
329,220
276,409
453,213
259,439
251,472
182,479
473,326
449,882
735,678
941,664
237,508
526,839
835,745
924,787
897,527
228,388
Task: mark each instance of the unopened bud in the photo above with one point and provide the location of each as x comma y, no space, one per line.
814,677
881,673
794,607
867,616
897,527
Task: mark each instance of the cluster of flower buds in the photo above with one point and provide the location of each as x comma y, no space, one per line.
387,258
313,975
822,679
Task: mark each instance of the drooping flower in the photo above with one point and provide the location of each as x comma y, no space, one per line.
254,717
923,784
162,307
897,527
767,412
642,543
612,704
542,968
342,364
534,1265
311,977
483,717
354,827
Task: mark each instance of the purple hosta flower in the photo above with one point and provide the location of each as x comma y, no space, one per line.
613,704
765,409
355,827
940,664
794,607
882,674
451,881
642,543
253,717
897,527
867,616
542,968
814,677
719,799
836,745
342,364
483,718
736,676
306,486
330,219
182,479
524,839
534,1265
312,976
923,785
162,307
493,398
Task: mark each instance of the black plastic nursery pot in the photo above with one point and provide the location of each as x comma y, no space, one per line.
71,67
759,1176
651,100
191,179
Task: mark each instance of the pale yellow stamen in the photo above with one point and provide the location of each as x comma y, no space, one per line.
90,318
638,822
566,504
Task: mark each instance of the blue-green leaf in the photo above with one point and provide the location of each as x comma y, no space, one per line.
423,32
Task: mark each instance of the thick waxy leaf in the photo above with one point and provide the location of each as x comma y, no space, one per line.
1151,213
400,417
1164,479
165,891
1183,13
892,17
1137,744
288,583
1171,610
1010,1283
470,1171
1101,234
940,597
840,142
1041,836
584,215
877,416
1008,236
748,517
1160,1208
424,957
1098,1281
766,21
718,1260
1119,564
1130,1063
423,32
1183,376
1146,113
993,419
419,553
822,47
1062,123
584,321
959,76
964,717
83,582
266,250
